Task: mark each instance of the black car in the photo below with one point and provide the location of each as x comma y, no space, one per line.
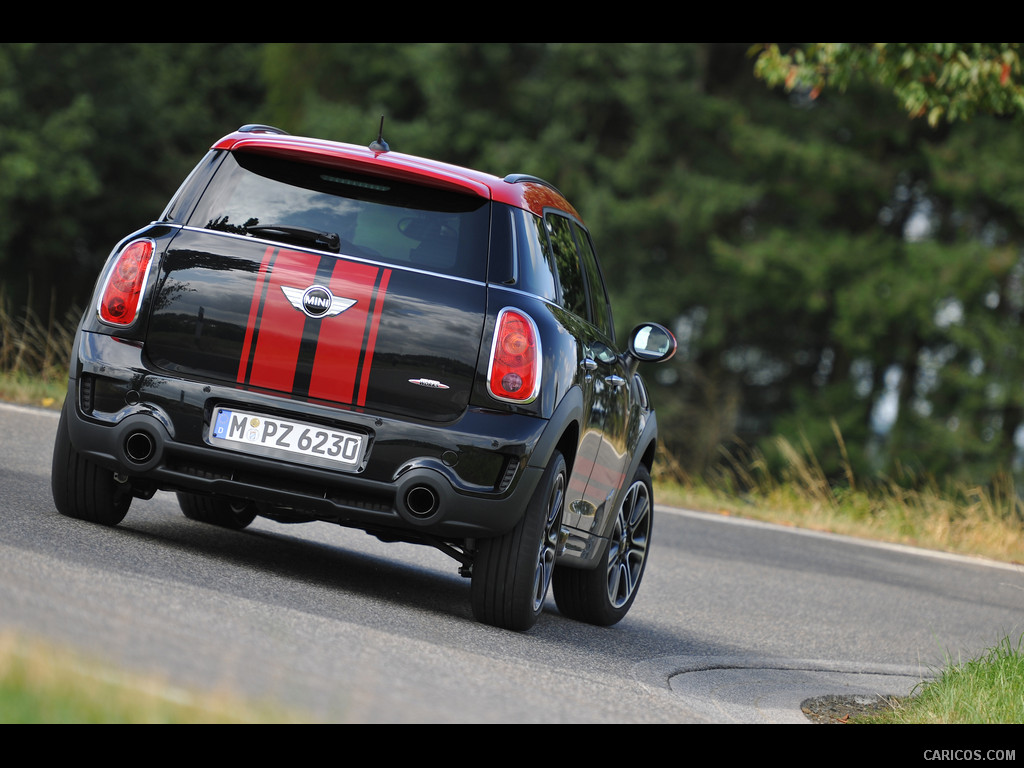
320,331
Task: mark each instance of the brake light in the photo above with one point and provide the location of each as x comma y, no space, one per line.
122,294
514,371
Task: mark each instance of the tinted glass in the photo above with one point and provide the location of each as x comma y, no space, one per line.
374,218
567,262
599,307
536,273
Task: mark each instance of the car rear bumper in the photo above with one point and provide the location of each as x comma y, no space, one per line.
464,479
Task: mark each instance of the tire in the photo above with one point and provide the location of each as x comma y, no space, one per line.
512,573
82,489
603,595
215,510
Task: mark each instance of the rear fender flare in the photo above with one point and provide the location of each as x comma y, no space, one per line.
565,421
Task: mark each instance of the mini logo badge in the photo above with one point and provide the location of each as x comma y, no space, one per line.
316,301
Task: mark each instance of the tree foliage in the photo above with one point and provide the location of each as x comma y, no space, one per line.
94,139
940,81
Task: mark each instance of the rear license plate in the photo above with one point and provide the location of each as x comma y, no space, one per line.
281,438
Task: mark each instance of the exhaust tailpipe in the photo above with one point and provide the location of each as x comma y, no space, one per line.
422,501
139,447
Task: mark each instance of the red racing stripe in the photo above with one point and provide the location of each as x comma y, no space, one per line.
345,343
279,333
344,337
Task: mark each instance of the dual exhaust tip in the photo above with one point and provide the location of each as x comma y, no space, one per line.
422,501
140,444
141,448
422,496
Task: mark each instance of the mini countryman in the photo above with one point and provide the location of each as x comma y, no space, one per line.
321,331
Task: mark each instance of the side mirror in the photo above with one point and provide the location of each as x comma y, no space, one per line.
652,343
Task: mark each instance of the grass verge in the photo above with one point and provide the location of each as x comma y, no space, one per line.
40,684
977,520
32,390
985,690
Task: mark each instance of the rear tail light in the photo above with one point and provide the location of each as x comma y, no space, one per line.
122,294
513,374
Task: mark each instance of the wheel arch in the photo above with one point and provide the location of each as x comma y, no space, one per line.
562,432
650,450
644,453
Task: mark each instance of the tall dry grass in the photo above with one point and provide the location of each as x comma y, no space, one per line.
34,353
35,346
983,519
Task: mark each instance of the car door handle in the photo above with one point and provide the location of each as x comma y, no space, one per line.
588,364
615,381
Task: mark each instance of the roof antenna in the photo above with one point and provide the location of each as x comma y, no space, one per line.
380,145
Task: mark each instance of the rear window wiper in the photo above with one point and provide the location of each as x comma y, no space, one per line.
303,235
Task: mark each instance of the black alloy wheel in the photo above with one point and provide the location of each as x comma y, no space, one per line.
512,573
603,595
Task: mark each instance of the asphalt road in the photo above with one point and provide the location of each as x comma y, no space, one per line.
736,622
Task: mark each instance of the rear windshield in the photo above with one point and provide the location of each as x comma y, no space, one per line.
351,214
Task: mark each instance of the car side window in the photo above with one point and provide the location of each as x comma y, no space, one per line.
536,270
567,262
600,308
